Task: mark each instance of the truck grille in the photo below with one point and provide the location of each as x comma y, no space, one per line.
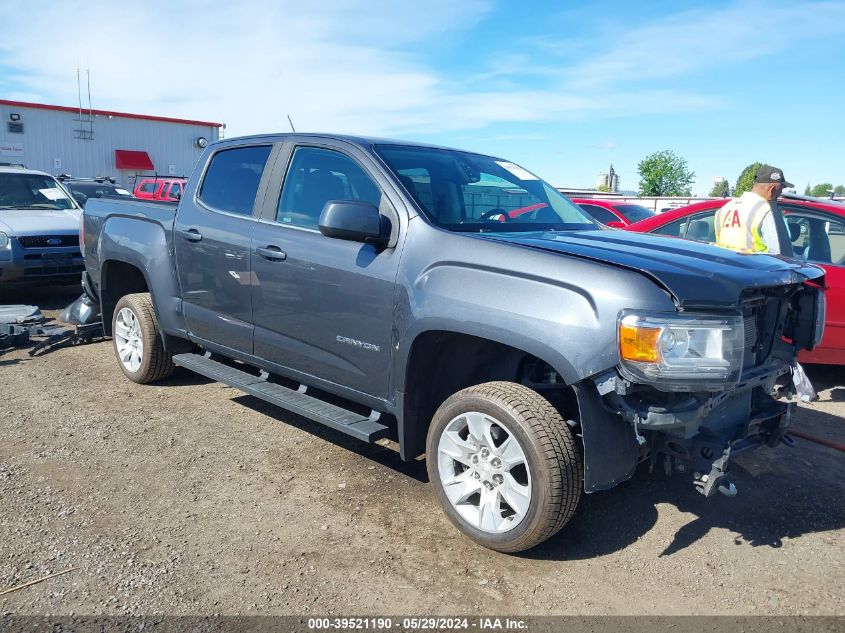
762,318
750,323
48,241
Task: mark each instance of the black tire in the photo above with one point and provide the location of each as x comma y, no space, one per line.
156,363
551,456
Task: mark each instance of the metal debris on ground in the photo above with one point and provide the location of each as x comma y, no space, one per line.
21,324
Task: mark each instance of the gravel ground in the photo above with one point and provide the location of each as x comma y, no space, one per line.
188,497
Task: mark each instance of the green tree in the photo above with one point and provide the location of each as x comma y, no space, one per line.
603,188
746,179
664,174
720,189
821,191
839,190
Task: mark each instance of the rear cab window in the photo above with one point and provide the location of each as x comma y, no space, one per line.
231,180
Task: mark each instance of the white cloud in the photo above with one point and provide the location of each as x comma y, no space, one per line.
346,66
248,64
708,38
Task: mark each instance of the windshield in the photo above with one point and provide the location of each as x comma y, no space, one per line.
634,212
461,191
32,191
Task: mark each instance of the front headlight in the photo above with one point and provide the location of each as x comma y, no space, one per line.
681,352
4,240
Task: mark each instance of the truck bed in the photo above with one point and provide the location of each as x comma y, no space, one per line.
157,211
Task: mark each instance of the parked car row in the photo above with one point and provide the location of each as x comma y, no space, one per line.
39,220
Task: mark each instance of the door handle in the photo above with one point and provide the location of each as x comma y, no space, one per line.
273,253
191,235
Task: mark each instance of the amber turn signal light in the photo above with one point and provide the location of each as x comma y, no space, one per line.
639,343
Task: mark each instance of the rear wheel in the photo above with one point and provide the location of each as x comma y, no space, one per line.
504,465
137,341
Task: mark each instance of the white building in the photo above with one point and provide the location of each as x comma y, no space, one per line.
88,143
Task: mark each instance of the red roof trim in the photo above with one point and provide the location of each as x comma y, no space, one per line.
129,159
146,117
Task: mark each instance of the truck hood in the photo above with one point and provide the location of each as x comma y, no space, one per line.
39,221
696,274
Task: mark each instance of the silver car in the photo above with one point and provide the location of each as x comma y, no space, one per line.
39,229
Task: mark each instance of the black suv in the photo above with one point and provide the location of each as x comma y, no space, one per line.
84,188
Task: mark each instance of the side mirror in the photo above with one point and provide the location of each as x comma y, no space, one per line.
353,220
616,225
80,198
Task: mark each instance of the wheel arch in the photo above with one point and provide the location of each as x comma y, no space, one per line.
141,250
441,362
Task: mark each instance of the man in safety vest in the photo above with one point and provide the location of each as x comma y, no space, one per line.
753,223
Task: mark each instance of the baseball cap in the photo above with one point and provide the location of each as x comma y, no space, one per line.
767,174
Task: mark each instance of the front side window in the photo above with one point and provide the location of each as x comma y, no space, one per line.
461,191
32,191
817,237
231,181
700,227
317,175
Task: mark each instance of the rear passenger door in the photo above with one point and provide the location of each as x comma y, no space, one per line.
323,307
212,238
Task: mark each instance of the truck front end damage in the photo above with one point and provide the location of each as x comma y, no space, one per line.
692,390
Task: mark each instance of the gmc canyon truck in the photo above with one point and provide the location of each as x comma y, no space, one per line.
461,306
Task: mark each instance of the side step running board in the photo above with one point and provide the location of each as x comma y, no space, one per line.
354,424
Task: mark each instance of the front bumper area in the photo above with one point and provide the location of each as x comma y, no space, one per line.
23,265
707,455
691,433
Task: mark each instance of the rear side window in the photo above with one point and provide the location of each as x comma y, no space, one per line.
147,187
634,212
675,229
231,181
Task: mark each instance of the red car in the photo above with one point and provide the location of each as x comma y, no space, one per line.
817,231
160,188
613,213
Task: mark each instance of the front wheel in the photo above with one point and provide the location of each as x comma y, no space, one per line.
504,464
137,341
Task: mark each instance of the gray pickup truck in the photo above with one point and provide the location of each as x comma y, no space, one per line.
461,306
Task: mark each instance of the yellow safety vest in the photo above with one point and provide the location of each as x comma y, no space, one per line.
738,227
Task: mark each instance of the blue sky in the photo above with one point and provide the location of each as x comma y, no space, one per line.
563,88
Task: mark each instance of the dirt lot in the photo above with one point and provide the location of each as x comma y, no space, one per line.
188,497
